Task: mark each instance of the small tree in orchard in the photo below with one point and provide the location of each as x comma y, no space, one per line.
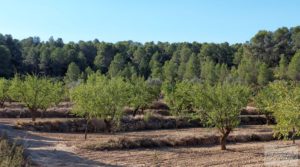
286,109
264,100
220,106
4,85
55,95
100,97
36,93
140,94
154,87
180,99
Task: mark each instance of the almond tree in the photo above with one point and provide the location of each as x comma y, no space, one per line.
180,99
286,109
141,93
101,98
264,99
220,106
36,93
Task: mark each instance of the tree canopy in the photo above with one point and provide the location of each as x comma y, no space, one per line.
267,56
35,92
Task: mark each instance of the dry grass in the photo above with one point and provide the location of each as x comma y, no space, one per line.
242,153
158,142
11,154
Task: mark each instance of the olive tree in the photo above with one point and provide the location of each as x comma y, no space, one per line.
36,93
4,85
220,106
101,98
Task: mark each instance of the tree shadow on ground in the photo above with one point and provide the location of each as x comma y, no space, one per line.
48,158
41,151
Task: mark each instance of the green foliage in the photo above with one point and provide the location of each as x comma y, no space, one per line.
4,96
35,92
265,99
100,97
294,68
5,58
154,87
207,62
170,71
248,70
180,99
264,75
192,68
220,106
73,73
281,71
222,72
117,65
140,93
285,105
208,73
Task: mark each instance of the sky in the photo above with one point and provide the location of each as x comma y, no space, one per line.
233,21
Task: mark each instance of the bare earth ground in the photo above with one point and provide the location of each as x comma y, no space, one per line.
60,149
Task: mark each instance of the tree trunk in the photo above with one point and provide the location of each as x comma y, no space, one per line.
42,113
268,119
223,142
108,125
223,139
2,104
86,129
33,114
135,110
293,135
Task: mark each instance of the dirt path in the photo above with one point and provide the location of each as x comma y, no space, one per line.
60,149
47,152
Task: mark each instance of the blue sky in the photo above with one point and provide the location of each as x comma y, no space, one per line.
146,20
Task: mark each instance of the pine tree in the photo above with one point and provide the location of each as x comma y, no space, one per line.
156,70
73,73
221,72
170,71
264,75
248,70
281,71
117,65
294,67
5,58
208,73
181,70
192,68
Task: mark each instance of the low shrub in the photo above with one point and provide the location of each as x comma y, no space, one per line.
149,121
254,120
146,142
129,123
11,154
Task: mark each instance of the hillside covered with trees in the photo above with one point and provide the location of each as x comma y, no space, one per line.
266,57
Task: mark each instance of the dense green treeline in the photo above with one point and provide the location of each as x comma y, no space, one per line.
267,56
